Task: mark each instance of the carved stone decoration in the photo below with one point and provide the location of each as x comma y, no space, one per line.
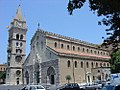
18,58
18,73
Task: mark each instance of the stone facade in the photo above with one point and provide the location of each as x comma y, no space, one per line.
16,49
58,56
52,57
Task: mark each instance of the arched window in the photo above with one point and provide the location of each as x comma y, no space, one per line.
81,64
83,50
78,48
17,36
91,51
68,63
101,53
104,64
20,51
93,77
100,64
108,64
73,48
16,50
96,64
55,45
17,43
21,37
92,65
75,64
62,46
87,64
21,44
87,50
68,47
98,52
95,52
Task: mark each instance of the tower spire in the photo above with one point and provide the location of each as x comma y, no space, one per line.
18,13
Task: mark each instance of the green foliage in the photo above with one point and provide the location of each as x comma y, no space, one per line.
110,9
2,75
68,77
115,62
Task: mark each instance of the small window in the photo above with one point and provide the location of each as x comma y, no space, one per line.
104,64
17,43
16,50
20,51
98,52
21,37
87,64
68,47
75,64
81,64
98,71
108,64
91,51
92,65
61,45
17,36
96,64
95,52
101,53
73,48
78,48
21,44
83,50
100,64
68,63
55,45
87,50
93,77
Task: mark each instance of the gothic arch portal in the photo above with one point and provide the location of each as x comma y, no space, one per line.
51,75
27,77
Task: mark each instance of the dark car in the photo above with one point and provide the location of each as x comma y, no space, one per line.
111,87
70,86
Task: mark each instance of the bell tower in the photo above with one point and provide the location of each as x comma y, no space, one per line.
16,49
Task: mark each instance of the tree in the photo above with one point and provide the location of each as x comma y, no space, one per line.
115,62
110,9
3,76
68,78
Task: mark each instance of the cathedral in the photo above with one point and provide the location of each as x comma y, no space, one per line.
52,58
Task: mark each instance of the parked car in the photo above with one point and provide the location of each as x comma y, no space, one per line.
111,87
70,86
33,87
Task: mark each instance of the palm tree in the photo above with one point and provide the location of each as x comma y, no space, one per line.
68,77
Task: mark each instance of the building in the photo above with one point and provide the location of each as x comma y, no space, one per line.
16,49
52,57
101,74
2,73
2,67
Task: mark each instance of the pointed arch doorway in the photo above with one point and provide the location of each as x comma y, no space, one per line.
51,75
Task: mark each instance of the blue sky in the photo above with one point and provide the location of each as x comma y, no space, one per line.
53,17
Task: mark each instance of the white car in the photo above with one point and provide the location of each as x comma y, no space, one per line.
35,87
